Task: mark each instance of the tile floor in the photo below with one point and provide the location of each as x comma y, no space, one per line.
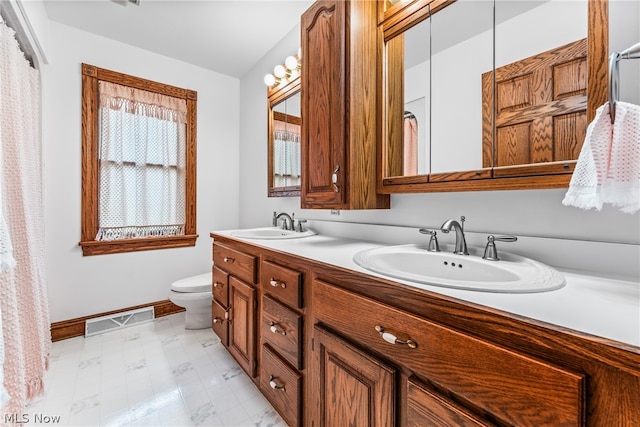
152,374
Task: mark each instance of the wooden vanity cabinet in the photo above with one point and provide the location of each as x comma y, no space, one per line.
235,304
282,337
339,347
339,104
494,383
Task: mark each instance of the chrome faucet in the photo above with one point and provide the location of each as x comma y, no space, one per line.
461,243
287,224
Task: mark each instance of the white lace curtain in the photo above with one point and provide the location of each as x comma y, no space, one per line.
286,154
142,163
23,294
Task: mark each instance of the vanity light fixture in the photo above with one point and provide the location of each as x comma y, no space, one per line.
284,73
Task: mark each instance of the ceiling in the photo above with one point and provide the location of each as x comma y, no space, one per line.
225,36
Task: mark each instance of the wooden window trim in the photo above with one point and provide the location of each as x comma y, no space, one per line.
90,77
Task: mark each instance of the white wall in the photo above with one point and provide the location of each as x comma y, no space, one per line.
78,285
527,212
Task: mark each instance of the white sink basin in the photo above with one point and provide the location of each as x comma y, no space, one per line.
271,233
512,274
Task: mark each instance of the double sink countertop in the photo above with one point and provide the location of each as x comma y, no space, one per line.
590,303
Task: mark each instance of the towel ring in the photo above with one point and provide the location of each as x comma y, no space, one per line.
614,75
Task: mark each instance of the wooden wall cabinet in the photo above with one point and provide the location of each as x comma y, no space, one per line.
340,59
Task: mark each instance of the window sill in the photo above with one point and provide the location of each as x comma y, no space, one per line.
94,247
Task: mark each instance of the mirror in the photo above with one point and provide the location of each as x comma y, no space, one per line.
448,121
284,122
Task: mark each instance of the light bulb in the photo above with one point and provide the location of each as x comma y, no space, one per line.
291,63
269,80
279,71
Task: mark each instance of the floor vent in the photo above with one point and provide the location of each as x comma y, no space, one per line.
115,321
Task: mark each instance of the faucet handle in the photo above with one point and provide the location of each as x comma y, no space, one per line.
490,251
433,241
299,228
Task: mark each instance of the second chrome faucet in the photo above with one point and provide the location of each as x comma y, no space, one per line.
461,244
451,224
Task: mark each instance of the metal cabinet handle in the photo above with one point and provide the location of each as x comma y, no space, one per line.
334,179
218,285
217,320
274,328
392,339
275,283
228,259
274,385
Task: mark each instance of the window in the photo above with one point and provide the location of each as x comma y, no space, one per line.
138,164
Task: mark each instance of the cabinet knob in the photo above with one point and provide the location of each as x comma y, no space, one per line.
334,179
218,285
228,259
275,283
217,320
274,385
274,328
392,339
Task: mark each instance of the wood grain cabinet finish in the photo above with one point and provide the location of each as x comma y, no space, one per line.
419,357
235,304
234,262
512,387
353,387
220,286
242,324
281,327
283,283
427,408
282,332
282,386
339,100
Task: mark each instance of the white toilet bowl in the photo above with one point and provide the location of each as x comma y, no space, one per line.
194,294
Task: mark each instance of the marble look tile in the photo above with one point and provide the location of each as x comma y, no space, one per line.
153,374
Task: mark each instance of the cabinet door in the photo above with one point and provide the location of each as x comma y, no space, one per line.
425,408
323,104
355,389
242,324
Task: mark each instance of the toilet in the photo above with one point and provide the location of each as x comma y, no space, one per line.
194,294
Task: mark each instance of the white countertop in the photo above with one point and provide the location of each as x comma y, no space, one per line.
600,306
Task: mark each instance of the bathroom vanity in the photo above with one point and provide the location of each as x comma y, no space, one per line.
329,343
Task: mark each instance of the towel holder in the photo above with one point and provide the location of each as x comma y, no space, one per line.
614,75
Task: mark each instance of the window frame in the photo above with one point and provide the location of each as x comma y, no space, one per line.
90,164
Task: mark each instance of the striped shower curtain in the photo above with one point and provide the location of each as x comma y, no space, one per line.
23,295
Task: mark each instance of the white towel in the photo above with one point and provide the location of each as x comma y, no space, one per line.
608,168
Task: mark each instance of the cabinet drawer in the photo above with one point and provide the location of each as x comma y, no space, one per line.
235,262
282,329
282,282
220,322
515,388
220,286
282,386
425,408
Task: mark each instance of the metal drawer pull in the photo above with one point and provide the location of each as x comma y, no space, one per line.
218,285
228,259
217,320
275,283
277,329
274,385
390,338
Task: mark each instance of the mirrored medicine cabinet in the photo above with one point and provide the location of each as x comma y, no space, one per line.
488,94
283,128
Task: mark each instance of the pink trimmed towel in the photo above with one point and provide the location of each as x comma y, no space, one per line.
608,168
